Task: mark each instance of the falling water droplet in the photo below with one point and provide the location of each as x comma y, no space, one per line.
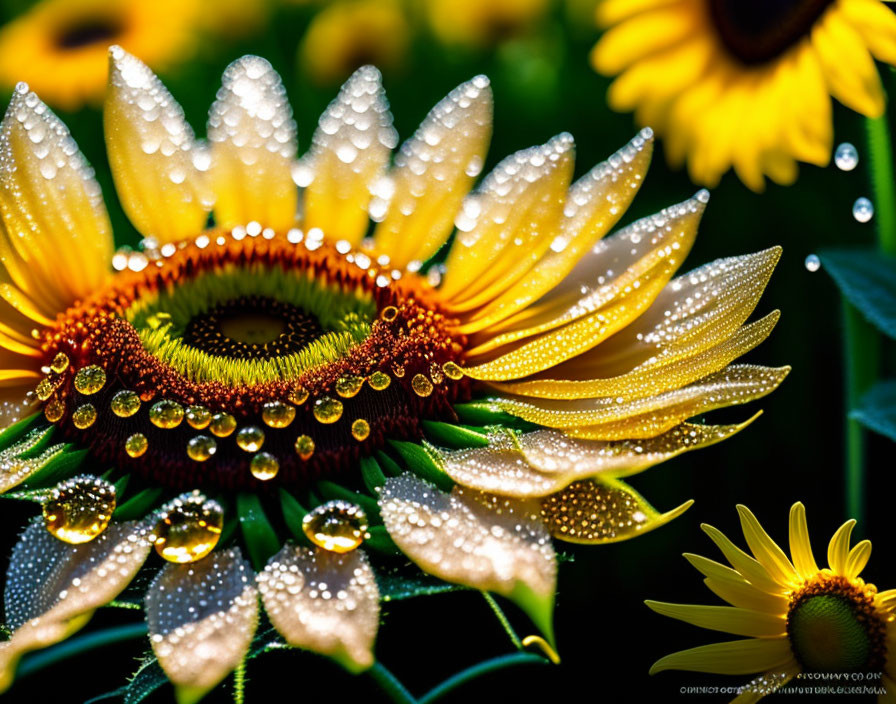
813,263
79,509
846,157
337,526
862,209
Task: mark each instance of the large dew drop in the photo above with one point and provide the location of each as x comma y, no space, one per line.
862,209
846,157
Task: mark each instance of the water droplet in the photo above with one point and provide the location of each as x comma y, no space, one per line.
84,416
136,445
327,410
349,386
360,429
45,389
189,528
452,371
421,385
304,447
79,509
813,263
862,209
389,313
59,363
90,379
250,438
125,403
298,395
166,414
54,410
198,417
222,424
379,381
201,448
846,157
277,414
264,466
337,526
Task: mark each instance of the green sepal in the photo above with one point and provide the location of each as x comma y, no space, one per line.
138,505
372,475
538,607
293,515
18,429
422,463
389,466
330,491
484,413
121,486
867,279
453,436
381,541
877,409
261,538
60,466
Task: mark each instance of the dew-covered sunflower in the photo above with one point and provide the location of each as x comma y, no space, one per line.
291,403
60,47
748,86
797,618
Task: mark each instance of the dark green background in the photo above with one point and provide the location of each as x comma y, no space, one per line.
607,637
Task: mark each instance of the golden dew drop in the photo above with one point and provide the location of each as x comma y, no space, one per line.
327,410
59,363
166,414
304,447
125,403
337,526
136,445
360,429
79,509
201,448
45,389
222,424
90,379
250,438
421,385
379,381
54,410
452,371
277,414
349,386
298,395
198,417
189,528
84,416
264,466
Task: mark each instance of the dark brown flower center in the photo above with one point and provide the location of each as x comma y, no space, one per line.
87,31
756,31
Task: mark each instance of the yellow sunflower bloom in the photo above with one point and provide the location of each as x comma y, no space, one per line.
797,618
61,47
310,359
741,85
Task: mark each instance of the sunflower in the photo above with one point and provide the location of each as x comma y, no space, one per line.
799,618
288,405
60,47
484,22
744,85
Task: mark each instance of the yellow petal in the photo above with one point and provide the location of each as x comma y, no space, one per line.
151,150
253,140
594,203
602,511
766,684
730,619
876,23
51,206
748,567
349,152
202,617
53,588
766,551
494,543
433,172
715,570
857,559
738,657
517,210
612,11
838,548
745,596
324,602
800,546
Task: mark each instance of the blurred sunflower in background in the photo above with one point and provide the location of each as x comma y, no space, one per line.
484,22
747,86
325,383
797,618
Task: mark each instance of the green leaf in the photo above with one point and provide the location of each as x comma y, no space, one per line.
422,463
389,466
148,678
17,430
381,541
453,436
372,474
877,409
408,581
138,505
60,466
293,515
261,538
867,279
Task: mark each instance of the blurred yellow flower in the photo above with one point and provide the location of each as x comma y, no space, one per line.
60,47
235,18
744,85
347,35
483,22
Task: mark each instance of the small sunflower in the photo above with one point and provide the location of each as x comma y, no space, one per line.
325,394
798,618
747,86
61,47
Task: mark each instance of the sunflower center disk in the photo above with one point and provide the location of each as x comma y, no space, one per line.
834,628
250,363
102,30
758,31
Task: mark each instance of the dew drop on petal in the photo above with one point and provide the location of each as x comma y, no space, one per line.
189,528
79,509
846,157
862,209
338,526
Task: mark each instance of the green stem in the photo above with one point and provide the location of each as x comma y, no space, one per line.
883,182
76,646
390,684
483,668
502,618
239,683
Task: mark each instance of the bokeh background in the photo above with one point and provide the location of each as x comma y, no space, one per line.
536,54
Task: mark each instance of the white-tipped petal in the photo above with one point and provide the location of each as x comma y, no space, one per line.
53,588
151,149
349,152
479,540
253,146
17,462
202,617
323,601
